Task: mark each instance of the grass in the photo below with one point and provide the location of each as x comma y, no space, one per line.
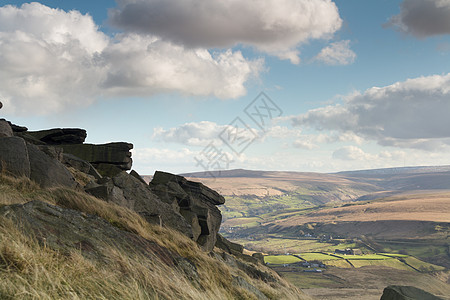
394,254
421,265
281,259
339,263
308,280
317,256
390,262
282,244
29,270
358,261
364,257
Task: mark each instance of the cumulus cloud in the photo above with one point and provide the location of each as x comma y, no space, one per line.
143,65
312,141
422,18
272,26
49,58
199,133
412,113
338,53
52,60
350,153
305,144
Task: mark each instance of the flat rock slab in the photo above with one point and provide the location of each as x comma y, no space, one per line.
117,154
58,136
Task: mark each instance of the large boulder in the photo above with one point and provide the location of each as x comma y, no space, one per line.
58,136
230,247
197,189
196,202
67,230
142,200
117,154
14,157
5,129
47,171
398,292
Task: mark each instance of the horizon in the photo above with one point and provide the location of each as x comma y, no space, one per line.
212,173
308,86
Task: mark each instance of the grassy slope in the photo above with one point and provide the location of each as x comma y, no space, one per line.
29,270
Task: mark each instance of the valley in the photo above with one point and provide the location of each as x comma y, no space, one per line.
399,211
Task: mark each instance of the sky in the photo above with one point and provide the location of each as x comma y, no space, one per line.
286,85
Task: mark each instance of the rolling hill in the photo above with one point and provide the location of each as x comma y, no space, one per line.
399,209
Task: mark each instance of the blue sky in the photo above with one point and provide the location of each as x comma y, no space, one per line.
360,84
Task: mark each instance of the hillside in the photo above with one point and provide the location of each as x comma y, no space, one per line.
398,210
75,225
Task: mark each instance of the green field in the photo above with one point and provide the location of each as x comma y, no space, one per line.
269,244
364,257
281,259
392,260
317,256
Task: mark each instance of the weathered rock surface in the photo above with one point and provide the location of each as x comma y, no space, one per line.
198,189
196,202
79,164
17,128
230,247
46,171
142,200
108,170
108,191
117,154
397,292
5,129
58,136
14,156
65,230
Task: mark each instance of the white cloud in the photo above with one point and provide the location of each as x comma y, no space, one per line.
199,133
283,132
351,153
143,65
52,60
48,58
413,114
422,18
305,144
338,53
312,141
272,26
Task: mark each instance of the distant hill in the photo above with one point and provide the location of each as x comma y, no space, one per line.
396,171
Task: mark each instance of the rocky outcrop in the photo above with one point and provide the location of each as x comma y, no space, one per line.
196,203
116,154
169,200
397,292
39,163
58,136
